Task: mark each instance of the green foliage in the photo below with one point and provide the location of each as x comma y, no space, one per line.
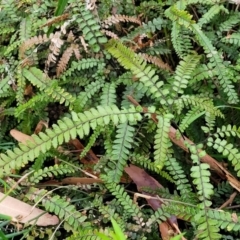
123,198
120,150
138,66
117,235
116,83
67,129
179,177
51,171
225,148
162,141
89,26
37,78
61,207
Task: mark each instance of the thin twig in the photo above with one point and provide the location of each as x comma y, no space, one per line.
229,201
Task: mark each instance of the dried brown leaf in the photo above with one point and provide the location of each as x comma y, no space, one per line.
114,19
143,179
55,46
57,19
30,43
76,51
40,126
25,213
110,34
80,180
85,45
234,217
156,61
21,137
70,37
28,91
62,64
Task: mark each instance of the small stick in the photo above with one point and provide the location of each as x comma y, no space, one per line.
229,201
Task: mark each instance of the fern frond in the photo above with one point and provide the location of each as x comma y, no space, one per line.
51,171
4,85
203,103
66,129
11,47
233,20
182,211
181,40
84,96
55,46
25,29
89,27
39,161
224,220
212,12
59,94
189,118
180,178
50,87
121,150
228,150
62,64
5,30
220,219
145,163
110,34
108,96
55,19
85,63
184,18
84,234
114,19
21,109
220,68
149,27
223,188
201,175
156,61
29,43
159,216
91,142
234,38
202,72
208,228
126,78
62,208
184,72
123,198
162,142
138,66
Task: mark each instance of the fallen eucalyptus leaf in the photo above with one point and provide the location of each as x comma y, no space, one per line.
25,213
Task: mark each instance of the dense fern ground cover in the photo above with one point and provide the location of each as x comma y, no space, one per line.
121,118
